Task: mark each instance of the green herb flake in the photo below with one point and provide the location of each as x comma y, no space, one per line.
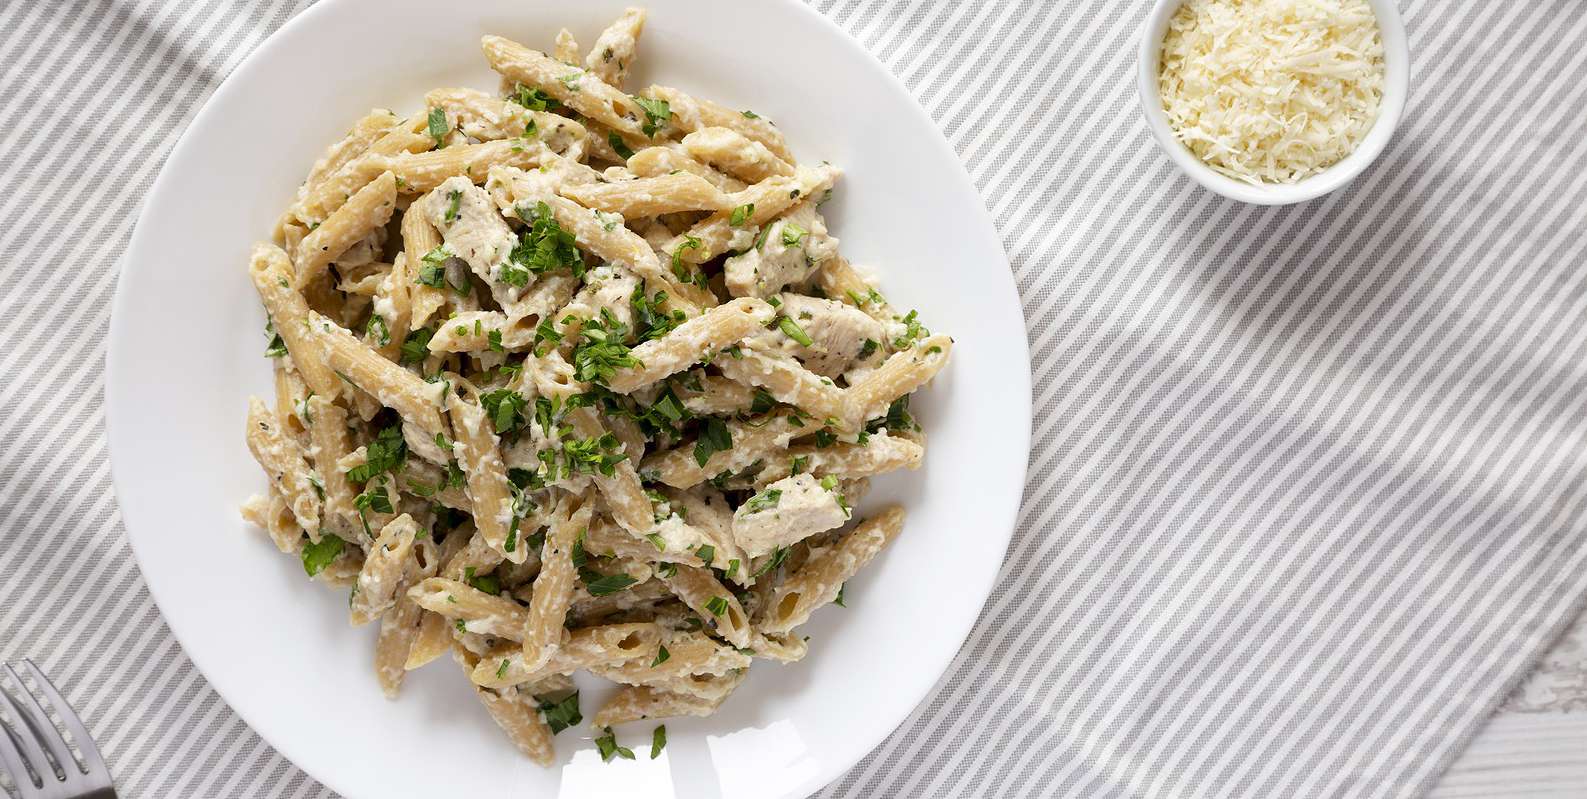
658,741
717,605
604,585
623,150
317,556
661,656
563,713
740,214
386,453
657,112
714,437
607,744
438,127
765,500
454,202
792,330
839,600
505,409
416,347
792,234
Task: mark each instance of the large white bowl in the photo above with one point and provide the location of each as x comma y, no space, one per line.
1397,68
186,351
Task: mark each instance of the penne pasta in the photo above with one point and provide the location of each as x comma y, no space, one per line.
818,581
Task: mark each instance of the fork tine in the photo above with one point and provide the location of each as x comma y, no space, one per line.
74,725
43,728
26,737
11,758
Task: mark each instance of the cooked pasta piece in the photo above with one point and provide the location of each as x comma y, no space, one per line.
651,196
282,460
818,581
289,314
691,342
401,625
736,154
717,606
395,387
370,208
488,488
637,702
614,50
553,589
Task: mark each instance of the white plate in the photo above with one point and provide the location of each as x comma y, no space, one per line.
186,350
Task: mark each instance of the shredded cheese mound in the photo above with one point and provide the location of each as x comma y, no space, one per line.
1271,91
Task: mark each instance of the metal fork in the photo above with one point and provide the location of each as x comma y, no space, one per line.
35,754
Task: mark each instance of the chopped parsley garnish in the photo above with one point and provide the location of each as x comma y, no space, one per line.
707,553
493,338
650,320
762,402
825,438
792,330
563,713
617,143
839,600
763,501
438,127
546,332
776,559
545,247
603,585
717,605
501,671
658,741
433,272
732,567
571,80
657,541
740,214
374,499
751,115
661,656
505,408
534,99
792,234
386,453
680,269
657,112
277,347
607,743
800,462
913,331
489,583
377,330
317,556
601,351
714,437
668,570
416,347
454,201
867,348
592,455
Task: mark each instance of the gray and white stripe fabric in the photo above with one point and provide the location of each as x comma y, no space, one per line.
1306,490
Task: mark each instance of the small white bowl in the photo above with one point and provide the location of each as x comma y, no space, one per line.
1397,65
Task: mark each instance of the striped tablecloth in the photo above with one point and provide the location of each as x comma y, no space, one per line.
1307,483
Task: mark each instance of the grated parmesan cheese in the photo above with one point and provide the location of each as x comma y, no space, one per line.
1271,91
